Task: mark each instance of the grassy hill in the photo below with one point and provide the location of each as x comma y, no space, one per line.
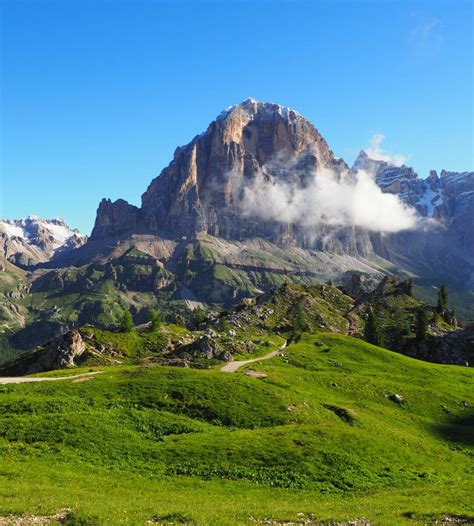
322,437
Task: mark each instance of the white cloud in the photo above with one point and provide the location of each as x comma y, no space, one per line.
374,151
327,199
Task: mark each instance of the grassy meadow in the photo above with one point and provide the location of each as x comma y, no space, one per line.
321,438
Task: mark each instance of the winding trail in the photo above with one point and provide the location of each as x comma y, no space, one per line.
28,379
231,367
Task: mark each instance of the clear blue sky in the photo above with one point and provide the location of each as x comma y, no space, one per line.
96,95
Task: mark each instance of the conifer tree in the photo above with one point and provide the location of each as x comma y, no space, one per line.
442,299
126,323
421,325
372,331
154,321
200,314
300,325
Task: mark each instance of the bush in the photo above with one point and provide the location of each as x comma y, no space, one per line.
200,315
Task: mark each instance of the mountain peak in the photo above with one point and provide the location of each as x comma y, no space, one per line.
253,108
202,189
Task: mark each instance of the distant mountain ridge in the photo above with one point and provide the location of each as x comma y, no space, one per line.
26,242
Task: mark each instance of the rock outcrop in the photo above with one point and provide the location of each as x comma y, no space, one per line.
115,219
64,351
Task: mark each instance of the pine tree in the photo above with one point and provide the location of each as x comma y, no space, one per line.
126,323
154,321
372,331
442,299
409,287
421,325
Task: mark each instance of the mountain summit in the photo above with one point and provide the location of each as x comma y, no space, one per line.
202,188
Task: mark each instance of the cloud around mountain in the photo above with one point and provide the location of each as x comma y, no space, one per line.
327,199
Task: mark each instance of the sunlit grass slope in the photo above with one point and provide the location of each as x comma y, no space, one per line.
322,433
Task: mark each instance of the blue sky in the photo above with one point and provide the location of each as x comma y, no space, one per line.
96,95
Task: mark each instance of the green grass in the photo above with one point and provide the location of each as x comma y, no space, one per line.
318,435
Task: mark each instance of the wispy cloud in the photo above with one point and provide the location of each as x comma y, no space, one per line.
426,36
374,151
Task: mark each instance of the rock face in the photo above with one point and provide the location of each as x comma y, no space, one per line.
201,189
456,347
64,351
115,219
26,242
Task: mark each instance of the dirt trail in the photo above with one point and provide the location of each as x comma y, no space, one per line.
27,379
231,367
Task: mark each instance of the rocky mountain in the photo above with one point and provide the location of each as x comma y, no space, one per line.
26,242
195,240
204,187
259,145
446,197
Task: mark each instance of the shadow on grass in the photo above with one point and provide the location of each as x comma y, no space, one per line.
458,428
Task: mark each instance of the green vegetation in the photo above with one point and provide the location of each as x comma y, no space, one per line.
299,324
321,434
154,321
442,299
372,332
126,323
199,314
421,325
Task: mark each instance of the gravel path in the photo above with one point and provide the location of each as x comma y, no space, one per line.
231,367
28,379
